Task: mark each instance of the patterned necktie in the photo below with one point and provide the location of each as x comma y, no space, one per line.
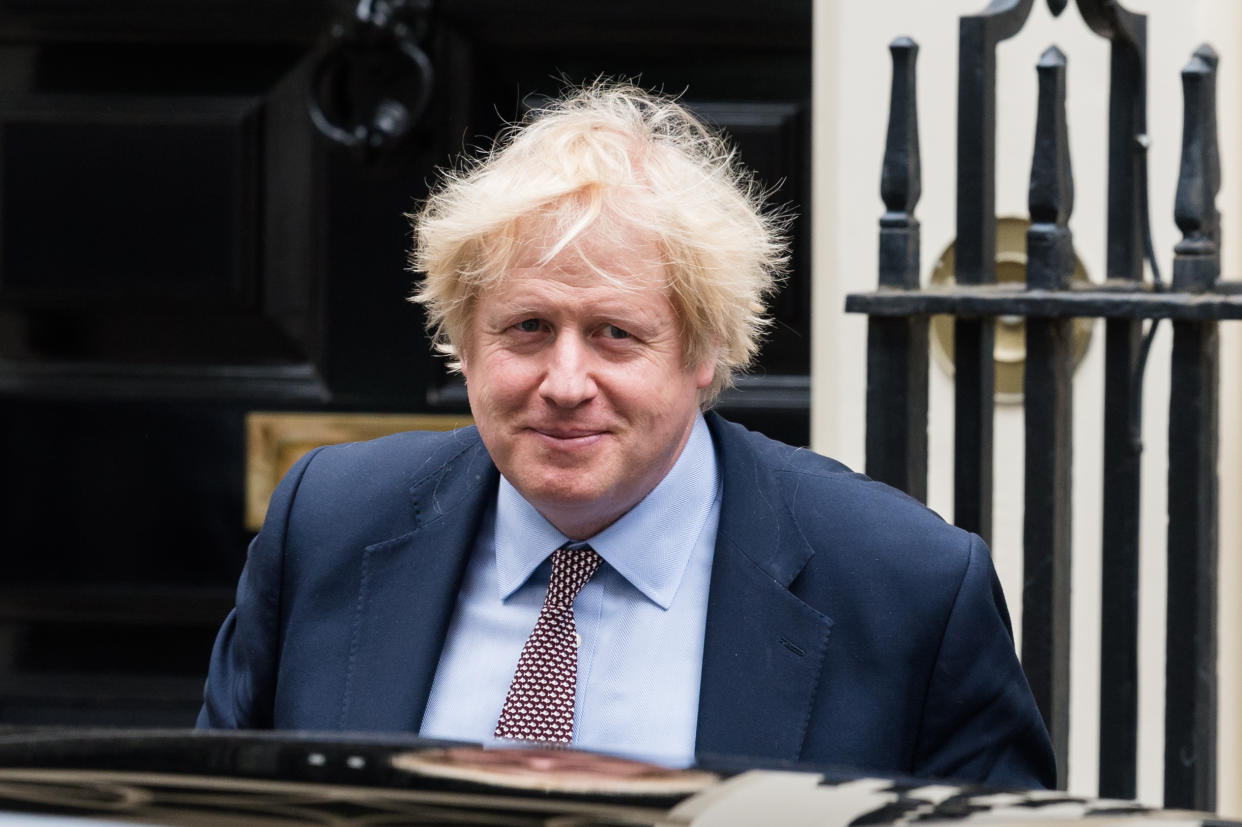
540,703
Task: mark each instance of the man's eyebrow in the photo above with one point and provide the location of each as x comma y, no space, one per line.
517,307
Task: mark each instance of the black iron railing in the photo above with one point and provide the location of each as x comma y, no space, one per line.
1195,302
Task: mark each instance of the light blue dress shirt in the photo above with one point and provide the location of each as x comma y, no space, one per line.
641,617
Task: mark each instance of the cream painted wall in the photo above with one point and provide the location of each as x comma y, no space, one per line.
852,76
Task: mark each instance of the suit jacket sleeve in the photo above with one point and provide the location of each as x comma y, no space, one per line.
980,720
241,681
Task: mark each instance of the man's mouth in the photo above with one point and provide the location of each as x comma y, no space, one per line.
569,434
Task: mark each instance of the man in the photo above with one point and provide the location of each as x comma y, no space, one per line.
600,563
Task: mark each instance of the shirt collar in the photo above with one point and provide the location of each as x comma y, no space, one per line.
649,545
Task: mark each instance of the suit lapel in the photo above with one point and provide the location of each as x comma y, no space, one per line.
764,648
407,593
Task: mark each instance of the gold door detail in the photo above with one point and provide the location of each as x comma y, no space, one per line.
275,441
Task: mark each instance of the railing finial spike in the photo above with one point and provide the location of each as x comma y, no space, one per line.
1196,262
1050,256
1052,56
901,178
1208,54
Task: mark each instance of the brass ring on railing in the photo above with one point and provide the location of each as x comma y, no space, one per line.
380,46
1009,349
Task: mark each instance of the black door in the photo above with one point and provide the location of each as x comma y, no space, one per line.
180,245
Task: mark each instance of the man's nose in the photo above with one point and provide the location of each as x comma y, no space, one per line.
568,381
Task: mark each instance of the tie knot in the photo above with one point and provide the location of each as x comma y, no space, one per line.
573,564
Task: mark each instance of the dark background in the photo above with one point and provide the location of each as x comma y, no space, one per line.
179,245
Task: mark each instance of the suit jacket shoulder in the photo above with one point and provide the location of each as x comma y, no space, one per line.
835,530
882,626
347,589
378,489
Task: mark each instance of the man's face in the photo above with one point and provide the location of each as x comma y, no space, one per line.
578,385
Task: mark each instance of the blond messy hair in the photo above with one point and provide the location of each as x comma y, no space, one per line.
608,158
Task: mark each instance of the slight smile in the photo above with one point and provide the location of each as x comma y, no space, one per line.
565,438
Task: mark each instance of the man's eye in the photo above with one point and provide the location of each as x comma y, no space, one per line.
528,325
614,332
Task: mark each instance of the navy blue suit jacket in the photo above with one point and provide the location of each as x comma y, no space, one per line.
846,623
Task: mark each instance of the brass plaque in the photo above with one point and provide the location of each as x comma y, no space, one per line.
1009,352
275,441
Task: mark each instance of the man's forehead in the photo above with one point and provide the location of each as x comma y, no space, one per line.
571,225
588,248
616,286
628,257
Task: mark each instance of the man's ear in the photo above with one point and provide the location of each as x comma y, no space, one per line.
703,374
705,371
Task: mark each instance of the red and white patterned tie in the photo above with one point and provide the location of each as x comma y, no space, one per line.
540,703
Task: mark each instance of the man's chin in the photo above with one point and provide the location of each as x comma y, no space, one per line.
566,498
574,504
